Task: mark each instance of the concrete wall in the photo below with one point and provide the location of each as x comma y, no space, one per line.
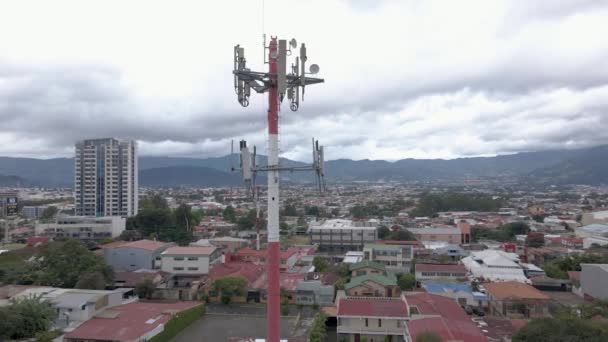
594,278
130,259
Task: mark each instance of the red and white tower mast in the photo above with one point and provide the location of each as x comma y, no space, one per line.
278,83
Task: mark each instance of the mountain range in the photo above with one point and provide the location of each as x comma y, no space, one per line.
582,166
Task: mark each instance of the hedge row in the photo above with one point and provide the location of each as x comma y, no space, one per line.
178,323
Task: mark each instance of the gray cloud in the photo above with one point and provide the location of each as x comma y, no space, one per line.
513,77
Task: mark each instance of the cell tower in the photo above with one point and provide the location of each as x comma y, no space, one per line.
278,83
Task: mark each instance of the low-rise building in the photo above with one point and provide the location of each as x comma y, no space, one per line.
376,318
593,234
139,321
396,258
594,280
189,260
432,234
495,265
462,293
134,255
288,258
512,299
440,272
228,243
83,227
338,235
373,285
310,292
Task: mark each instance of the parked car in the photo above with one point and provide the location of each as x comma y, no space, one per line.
468,309
478,311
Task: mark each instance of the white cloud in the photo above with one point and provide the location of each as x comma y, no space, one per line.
403,79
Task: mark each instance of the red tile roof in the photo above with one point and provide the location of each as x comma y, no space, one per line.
372,307
440,268
189,250
514,290
451,323
247,270
133,321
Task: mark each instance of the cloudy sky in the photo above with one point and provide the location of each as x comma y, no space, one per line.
410,78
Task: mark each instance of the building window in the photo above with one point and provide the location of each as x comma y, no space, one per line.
192,268
178,268
192,258
178,258
366,322
379,323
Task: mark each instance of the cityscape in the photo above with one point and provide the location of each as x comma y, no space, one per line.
459,194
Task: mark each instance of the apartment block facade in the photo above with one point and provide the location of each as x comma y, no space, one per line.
106,178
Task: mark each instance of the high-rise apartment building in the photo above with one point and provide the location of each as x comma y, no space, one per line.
105,178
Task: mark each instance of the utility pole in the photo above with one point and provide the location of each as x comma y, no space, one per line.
278,83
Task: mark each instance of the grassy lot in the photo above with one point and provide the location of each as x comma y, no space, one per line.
12,246
287,241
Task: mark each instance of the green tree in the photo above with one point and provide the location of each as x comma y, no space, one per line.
153,221
62,266
248,221
184,218
229,214
229,286
402,235
145,288
283,225
313,211
320,264
428,336
155,201
25,317
91,281
290,210
383,232
562,329
49,213
318,330
407,281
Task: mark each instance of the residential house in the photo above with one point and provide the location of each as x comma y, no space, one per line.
442,315
513,299
310,292
376,319
134,255
459,292
440,272
373,285
367,267
396,258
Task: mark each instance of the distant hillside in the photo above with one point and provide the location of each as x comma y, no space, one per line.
12,181
589,166
584,166
187,175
